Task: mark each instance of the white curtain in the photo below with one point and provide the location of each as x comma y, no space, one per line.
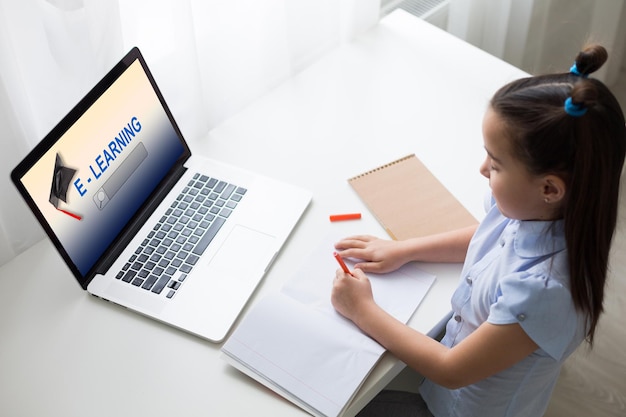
542,35
210,57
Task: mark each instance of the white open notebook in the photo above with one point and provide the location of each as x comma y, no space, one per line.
295,343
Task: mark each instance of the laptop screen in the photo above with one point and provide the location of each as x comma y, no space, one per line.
95,173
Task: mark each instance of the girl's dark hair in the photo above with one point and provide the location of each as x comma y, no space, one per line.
587,152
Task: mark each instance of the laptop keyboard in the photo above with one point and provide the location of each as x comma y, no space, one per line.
172,248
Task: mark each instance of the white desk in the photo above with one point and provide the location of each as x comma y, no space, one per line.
403,87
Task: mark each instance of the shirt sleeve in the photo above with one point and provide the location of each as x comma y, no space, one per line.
542,306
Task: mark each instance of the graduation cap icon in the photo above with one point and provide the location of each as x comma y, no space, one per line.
61,179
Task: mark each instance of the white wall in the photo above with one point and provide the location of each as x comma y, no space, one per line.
543,35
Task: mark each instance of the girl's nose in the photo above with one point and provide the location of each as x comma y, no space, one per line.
484,168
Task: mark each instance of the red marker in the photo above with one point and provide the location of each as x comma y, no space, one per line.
342,263
341,217
76,216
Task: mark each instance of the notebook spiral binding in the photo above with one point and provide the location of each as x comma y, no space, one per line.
380,168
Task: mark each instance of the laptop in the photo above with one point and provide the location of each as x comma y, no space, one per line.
142,222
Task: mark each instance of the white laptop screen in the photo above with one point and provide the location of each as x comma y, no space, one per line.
99,172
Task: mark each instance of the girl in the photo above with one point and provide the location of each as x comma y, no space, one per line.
532,284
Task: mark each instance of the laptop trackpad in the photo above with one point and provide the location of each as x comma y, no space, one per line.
244,255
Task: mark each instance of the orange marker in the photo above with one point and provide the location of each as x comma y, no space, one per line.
341,217
342,263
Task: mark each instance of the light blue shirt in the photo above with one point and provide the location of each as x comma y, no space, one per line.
515,272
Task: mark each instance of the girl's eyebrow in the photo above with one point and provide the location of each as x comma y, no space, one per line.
492,157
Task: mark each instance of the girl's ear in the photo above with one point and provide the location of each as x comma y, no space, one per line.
553,189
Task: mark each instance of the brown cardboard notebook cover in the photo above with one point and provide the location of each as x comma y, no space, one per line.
409,201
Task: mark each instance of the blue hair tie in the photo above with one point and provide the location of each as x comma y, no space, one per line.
573,109
574,70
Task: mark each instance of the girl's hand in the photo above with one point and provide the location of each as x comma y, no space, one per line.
351,294
378,255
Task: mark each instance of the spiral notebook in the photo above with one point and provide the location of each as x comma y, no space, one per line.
408,201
